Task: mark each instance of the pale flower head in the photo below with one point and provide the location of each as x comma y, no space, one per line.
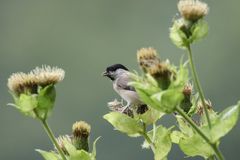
46,75
192,9
28,82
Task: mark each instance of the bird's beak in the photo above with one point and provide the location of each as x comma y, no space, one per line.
105,73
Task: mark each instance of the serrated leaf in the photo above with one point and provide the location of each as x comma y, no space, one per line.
195,146
48,155
167,100
224,122
199,30
124,123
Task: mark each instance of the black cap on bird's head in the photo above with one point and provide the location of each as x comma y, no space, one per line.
111,69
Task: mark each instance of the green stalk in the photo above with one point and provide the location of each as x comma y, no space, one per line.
195,127
52,138
197,83
146,137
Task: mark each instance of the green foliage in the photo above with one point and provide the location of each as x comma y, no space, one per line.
162,141
48,155
199,30
40,104
224,122
177,36
161,100
183,33
124,123
192,144
195,146
151,116
72,153
46,98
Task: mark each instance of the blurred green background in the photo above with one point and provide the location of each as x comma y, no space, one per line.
85,36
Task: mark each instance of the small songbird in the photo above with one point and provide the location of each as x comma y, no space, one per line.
120,77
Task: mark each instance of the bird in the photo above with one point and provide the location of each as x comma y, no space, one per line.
119,75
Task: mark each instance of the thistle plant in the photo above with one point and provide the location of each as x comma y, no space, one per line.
34,95
167,90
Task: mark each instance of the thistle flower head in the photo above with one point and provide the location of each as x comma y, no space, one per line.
46,75
147,57
81,129
192,9
61,140
22,82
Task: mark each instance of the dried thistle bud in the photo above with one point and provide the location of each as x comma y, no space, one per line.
192,10
186,103
187,90
81,131
117,106
150,63
200,107
61,140
147,57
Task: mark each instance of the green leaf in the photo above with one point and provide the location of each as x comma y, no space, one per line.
124,123
181,78
167,100
199,30
176,136
151,116
94,150
80,155
146,98
224,122
27,103
177,36
195,146
46,99
48,155
162,142
184,126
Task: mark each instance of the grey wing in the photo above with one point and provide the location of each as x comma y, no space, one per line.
123,83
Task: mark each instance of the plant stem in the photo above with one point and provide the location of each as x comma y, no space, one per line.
154,132
52,138
195,127
146,137
197,83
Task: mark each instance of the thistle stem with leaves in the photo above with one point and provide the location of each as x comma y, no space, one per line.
198,130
